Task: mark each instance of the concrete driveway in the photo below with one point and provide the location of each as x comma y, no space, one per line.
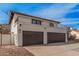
54,49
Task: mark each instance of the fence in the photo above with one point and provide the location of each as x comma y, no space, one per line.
5,39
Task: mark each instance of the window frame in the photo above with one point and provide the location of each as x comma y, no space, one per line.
38,22
33,21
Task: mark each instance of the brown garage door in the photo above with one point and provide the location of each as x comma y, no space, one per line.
55,37
31,38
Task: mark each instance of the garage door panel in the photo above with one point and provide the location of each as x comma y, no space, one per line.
55,37
32,37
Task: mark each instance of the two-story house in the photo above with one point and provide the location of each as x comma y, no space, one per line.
30,30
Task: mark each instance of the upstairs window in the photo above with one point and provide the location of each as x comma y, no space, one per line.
39,22
51,25
36,22
33,21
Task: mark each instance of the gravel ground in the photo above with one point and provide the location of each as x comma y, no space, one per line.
10,50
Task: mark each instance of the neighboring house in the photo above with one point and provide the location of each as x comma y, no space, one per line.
30,30
74,34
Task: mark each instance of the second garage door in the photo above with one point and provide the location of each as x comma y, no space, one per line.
55,37
32,37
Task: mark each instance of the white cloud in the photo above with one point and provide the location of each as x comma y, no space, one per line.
69,21
55,11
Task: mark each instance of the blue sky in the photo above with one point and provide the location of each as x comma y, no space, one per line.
67,14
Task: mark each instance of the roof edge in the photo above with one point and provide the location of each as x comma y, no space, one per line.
13,12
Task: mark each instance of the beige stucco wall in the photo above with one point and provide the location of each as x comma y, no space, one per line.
72,33
26,21
27,25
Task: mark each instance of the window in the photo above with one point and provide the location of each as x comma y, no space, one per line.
36,22
51,25
33,21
